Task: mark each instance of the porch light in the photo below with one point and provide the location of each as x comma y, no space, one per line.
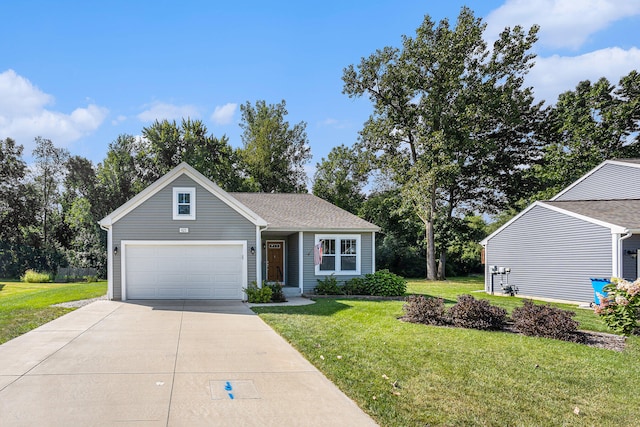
252,250
115,250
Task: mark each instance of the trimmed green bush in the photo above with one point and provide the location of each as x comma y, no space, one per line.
32,276
545,321
277,295
384,283
355,286
258,295
471,313
328,286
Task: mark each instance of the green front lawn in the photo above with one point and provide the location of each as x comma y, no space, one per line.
25,306
447,376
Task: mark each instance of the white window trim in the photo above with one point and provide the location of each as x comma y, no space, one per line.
192,192
337,238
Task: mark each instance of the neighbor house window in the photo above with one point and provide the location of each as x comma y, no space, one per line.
340,254
184,203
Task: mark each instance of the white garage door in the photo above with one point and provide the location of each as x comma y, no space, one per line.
175,271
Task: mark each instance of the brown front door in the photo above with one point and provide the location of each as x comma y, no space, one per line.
275,261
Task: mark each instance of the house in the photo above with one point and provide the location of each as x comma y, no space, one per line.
183,237
591,229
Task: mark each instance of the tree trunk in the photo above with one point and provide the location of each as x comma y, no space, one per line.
431,244
441,266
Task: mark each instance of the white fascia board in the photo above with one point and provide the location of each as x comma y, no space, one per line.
204,182
615,229
592,171
325,230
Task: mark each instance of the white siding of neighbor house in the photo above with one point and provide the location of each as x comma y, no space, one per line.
610,182
551,255
310,278
153,220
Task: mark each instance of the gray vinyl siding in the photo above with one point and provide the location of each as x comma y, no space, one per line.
153,220
610,182
310,278
551,255
629,263
293,262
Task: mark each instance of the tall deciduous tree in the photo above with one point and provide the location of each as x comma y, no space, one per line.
595,122
50,162
274,153
451,119
166,144
117,175
339,180
15,195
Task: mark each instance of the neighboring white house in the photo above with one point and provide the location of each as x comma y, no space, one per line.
591,229
183,237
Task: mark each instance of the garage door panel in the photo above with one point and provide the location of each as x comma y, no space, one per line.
175,271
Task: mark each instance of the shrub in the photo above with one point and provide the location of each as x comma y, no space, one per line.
355,286
328,286
426,310
277,295
469,312
545,321
620,308
258,295
32,276
384,283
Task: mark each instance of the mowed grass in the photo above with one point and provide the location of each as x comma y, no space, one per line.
448,376
25,306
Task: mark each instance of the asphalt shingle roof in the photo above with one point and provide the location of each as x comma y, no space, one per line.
618,212
298,212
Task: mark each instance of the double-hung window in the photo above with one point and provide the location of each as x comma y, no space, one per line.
184,203
340,254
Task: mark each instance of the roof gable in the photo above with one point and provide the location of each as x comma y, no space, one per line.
604,180
168,178
605,213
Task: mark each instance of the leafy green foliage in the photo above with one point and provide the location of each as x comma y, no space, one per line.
277,294
258,295
384,283
274,153
471,313
32,276
545,321
328,286
339,179
620,307
425,310
355,286
451,120
595,122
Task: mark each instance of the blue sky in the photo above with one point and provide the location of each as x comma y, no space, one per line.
81,73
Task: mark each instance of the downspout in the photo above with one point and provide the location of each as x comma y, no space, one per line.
619,255
259,254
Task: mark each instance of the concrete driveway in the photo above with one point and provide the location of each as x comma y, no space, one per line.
164,363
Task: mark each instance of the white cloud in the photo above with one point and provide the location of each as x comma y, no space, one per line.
118,120
563,23
223,115
23,115
556,74
162,111
334,123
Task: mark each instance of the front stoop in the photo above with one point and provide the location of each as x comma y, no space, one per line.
291,291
